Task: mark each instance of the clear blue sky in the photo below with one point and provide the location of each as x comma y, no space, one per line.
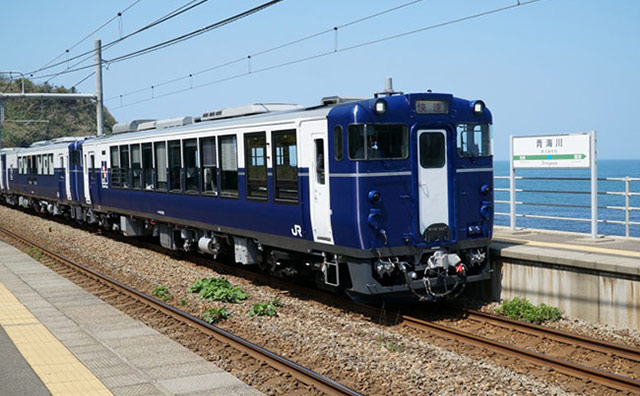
551,67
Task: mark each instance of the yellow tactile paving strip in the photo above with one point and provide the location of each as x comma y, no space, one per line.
60,371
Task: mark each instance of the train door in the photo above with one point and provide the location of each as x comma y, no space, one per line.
433,182
319,199
89,162
64,183
3,176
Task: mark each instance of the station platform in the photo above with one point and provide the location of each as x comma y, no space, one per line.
57,339
597,280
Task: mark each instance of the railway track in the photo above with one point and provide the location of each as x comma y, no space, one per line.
564,344
277,362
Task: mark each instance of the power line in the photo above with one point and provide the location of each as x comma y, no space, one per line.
119,14
178,11
272,49
83,80
178,39
327,53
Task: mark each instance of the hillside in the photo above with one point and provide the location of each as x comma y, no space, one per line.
76,117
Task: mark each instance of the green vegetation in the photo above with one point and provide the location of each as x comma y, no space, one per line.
214,315
218,289
183,302
265,309
162,292
522,309
388,345
70,117
37,254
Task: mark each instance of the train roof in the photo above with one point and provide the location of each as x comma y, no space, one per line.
250,120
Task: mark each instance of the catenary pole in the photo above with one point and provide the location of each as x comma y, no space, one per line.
99,106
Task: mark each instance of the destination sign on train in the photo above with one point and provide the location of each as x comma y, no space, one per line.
432,106
552,151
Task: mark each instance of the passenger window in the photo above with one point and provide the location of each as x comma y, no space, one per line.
39,162
256,164
45,164
161,166
319,158
136,166
116,180
209,166
190,159
51,170
228,166
147,166
338,151
285,165
432,150
125,176
175,165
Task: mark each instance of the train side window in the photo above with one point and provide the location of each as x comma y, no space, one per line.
51,170
39,164
256,165
45,164
285,167
161,166
228,154
147,166
319,158
175,165
209,166
432,150
125,176
356,142
136,166
115,168
190,159
338,149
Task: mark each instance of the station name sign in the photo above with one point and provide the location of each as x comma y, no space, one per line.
552,151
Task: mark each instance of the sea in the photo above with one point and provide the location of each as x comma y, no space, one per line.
574,196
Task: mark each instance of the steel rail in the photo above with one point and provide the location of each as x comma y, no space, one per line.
593,344
607,379
274,360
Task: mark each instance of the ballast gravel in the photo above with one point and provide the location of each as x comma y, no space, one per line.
348,347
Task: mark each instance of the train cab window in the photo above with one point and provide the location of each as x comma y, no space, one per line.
116,177
474,140
319,158
147,166
125,176
256,165
228,154
175,166
190,159
432,150
209,166
161,166
378,141
136,166
338,150
285,167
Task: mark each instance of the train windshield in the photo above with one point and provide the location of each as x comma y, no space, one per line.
474,140
378,141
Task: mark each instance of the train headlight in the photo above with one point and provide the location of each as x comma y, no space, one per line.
380,106
478,107
374,196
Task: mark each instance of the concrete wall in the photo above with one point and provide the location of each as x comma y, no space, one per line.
597,293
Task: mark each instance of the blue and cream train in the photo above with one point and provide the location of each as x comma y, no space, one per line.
384,198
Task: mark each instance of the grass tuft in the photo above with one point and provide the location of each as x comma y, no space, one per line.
218,289
162,292
266,309
522,309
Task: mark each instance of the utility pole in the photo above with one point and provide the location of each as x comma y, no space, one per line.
97,96
99,105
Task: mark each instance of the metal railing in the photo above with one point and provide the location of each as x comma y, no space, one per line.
627,194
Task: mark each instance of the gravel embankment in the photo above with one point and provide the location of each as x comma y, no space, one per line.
345,346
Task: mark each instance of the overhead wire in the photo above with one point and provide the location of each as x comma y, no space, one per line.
272,49
66,52
89,54
178,39
327,53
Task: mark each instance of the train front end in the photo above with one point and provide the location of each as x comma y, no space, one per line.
418,169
